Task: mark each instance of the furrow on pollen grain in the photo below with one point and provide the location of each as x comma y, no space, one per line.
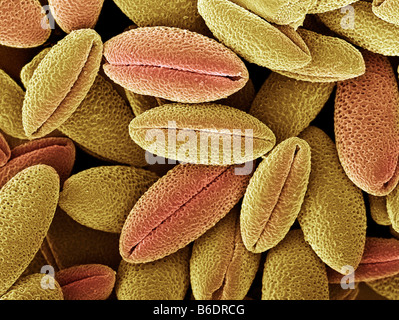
181,206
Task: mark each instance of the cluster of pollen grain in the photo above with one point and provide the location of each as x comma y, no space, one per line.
199,149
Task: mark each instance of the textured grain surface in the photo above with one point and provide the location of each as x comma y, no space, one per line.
366,126
56,152
333,59
11,102
69,243
28,202
278,11
101,198
23,24
179,208
76,14
165,279
202,134
170,13
5,152
293,271
61,81
378,210
28,69
380,260
333,214
253,38
388,287
387,10
275,194
86,282
392,203
174,64
221,268
100,126
287,106
29,288
328,5
369,32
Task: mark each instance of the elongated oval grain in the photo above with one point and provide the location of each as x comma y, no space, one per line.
387,10
366,126
11,102
28,203
293,271
165,279
86,282
30,288
278,11
333,59
369,31
386,287
61,81
202,134
329,5
287,106
179,208
333,214
23,24
221,268
101,198
56,152
275,194
100,125
253,38
380,260
76,14
5,152
28,70
150,13
199,69
378,210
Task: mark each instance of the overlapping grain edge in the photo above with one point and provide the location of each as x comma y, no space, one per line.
380,260
5,151
179,208
392,207
11,102
61,81
28,69
209,134
86,282
56,152
287,106
254,39
274,195
76,14
100,125
378,210
150,13
30,288
28,203
69,243
102,197
386,287
333,214
23,24
221,268
333,59
281,12
366,117
387,10
174,64
165,279
369,31
293,271
338,293
328,5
